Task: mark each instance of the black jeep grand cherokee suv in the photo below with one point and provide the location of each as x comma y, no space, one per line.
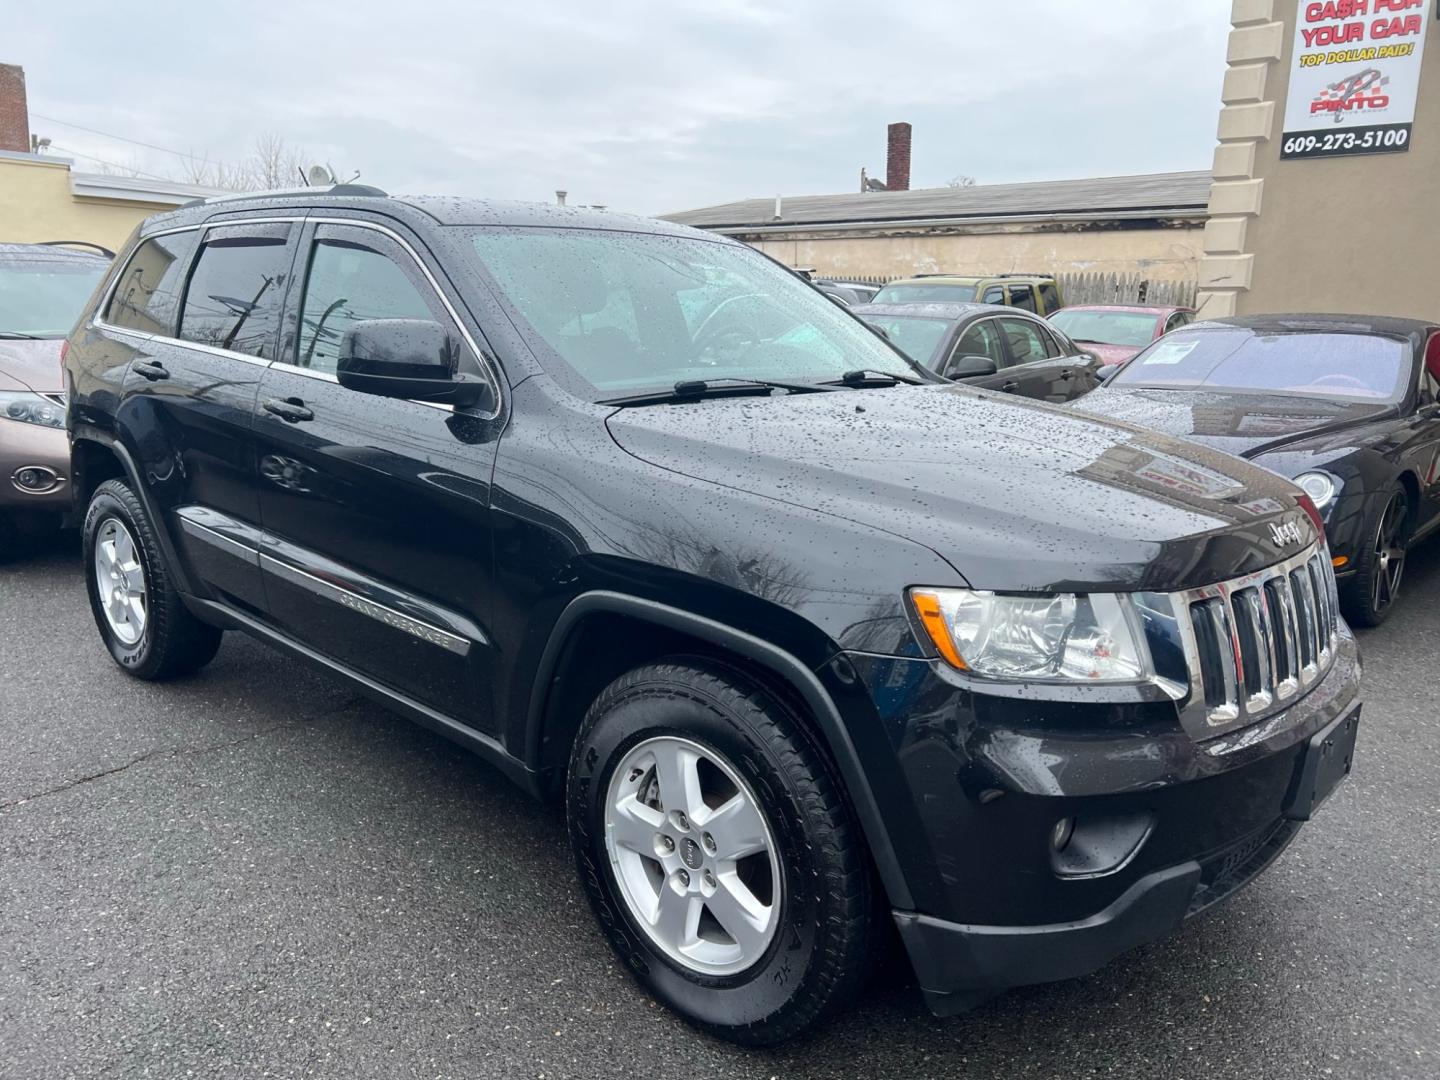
800,634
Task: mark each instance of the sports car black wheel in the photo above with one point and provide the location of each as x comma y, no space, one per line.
1376,586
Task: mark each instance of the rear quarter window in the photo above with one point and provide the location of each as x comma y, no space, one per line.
147,294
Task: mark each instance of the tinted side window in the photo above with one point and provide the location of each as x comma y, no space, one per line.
351,280
233,301
1024,339
1022,297
1176,321
1050,295
994,295
147,296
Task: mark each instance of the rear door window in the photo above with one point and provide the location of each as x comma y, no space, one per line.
234,298
1024,339
147,296
1050,297
1022,297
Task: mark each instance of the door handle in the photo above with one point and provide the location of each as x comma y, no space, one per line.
1010,387
153,371
1066,373
291,410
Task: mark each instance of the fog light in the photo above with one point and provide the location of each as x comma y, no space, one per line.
34,478
1060,835
1096,846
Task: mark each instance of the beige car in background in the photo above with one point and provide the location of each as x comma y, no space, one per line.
43,289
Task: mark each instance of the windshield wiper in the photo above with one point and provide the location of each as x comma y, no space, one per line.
868,376
696,389
16,335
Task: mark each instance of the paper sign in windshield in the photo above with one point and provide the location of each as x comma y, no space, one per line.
1170,352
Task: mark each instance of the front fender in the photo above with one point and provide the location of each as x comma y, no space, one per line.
856,747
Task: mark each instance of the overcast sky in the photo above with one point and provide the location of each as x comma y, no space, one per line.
644,106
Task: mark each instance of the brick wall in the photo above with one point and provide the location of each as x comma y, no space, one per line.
14,116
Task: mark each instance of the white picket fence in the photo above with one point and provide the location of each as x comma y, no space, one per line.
1125,289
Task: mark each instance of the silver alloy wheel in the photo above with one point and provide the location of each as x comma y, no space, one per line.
1389,553
693,855
120,581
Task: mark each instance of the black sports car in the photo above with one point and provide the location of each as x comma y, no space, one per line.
1347,406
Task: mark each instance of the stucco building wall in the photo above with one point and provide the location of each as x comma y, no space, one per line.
37,203
1342,234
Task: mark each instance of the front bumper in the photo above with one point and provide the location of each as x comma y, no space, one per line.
30,445
960,966
987,778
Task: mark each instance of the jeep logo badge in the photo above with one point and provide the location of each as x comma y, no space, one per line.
690,854
1285,533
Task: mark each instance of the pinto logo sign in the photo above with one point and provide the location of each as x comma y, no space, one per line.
1363,91
1356,77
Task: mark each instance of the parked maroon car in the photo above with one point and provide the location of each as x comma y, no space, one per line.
1115,332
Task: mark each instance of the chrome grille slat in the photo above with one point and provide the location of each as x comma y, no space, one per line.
1256,642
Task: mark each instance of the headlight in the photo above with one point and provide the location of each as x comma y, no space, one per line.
32,409
1321,487
1062,637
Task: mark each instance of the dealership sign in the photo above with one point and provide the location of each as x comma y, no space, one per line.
1355,77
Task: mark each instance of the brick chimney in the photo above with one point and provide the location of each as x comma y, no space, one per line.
14,114
897,158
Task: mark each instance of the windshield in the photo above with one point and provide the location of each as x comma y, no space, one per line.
1107,327
1356,367
635,311
917,338
919,294
44,297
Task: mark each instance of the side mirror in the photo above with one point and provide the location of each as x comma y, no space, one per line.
969,367
405,358
1108,372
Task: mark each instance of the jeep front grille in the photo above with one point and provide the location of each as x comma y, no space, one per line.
1256,642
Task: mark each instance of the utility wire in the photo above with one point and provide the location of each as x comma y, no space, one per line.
121,138
128,169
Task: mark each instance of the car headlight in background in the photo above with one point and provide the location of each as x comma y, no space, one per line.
1321,487
27,408
1061,637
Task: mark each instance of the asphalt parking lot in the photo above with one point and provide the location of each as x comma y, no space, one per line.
256,873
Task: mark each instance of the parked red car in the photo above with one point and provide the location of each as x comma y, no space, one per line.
1116,332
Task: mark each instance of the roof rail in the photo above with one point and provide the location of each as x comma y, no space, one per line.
1023,273
350,190
80,244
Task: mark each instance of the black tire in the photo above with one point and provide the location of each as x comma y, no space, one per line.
172,642
818,957
1381,562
